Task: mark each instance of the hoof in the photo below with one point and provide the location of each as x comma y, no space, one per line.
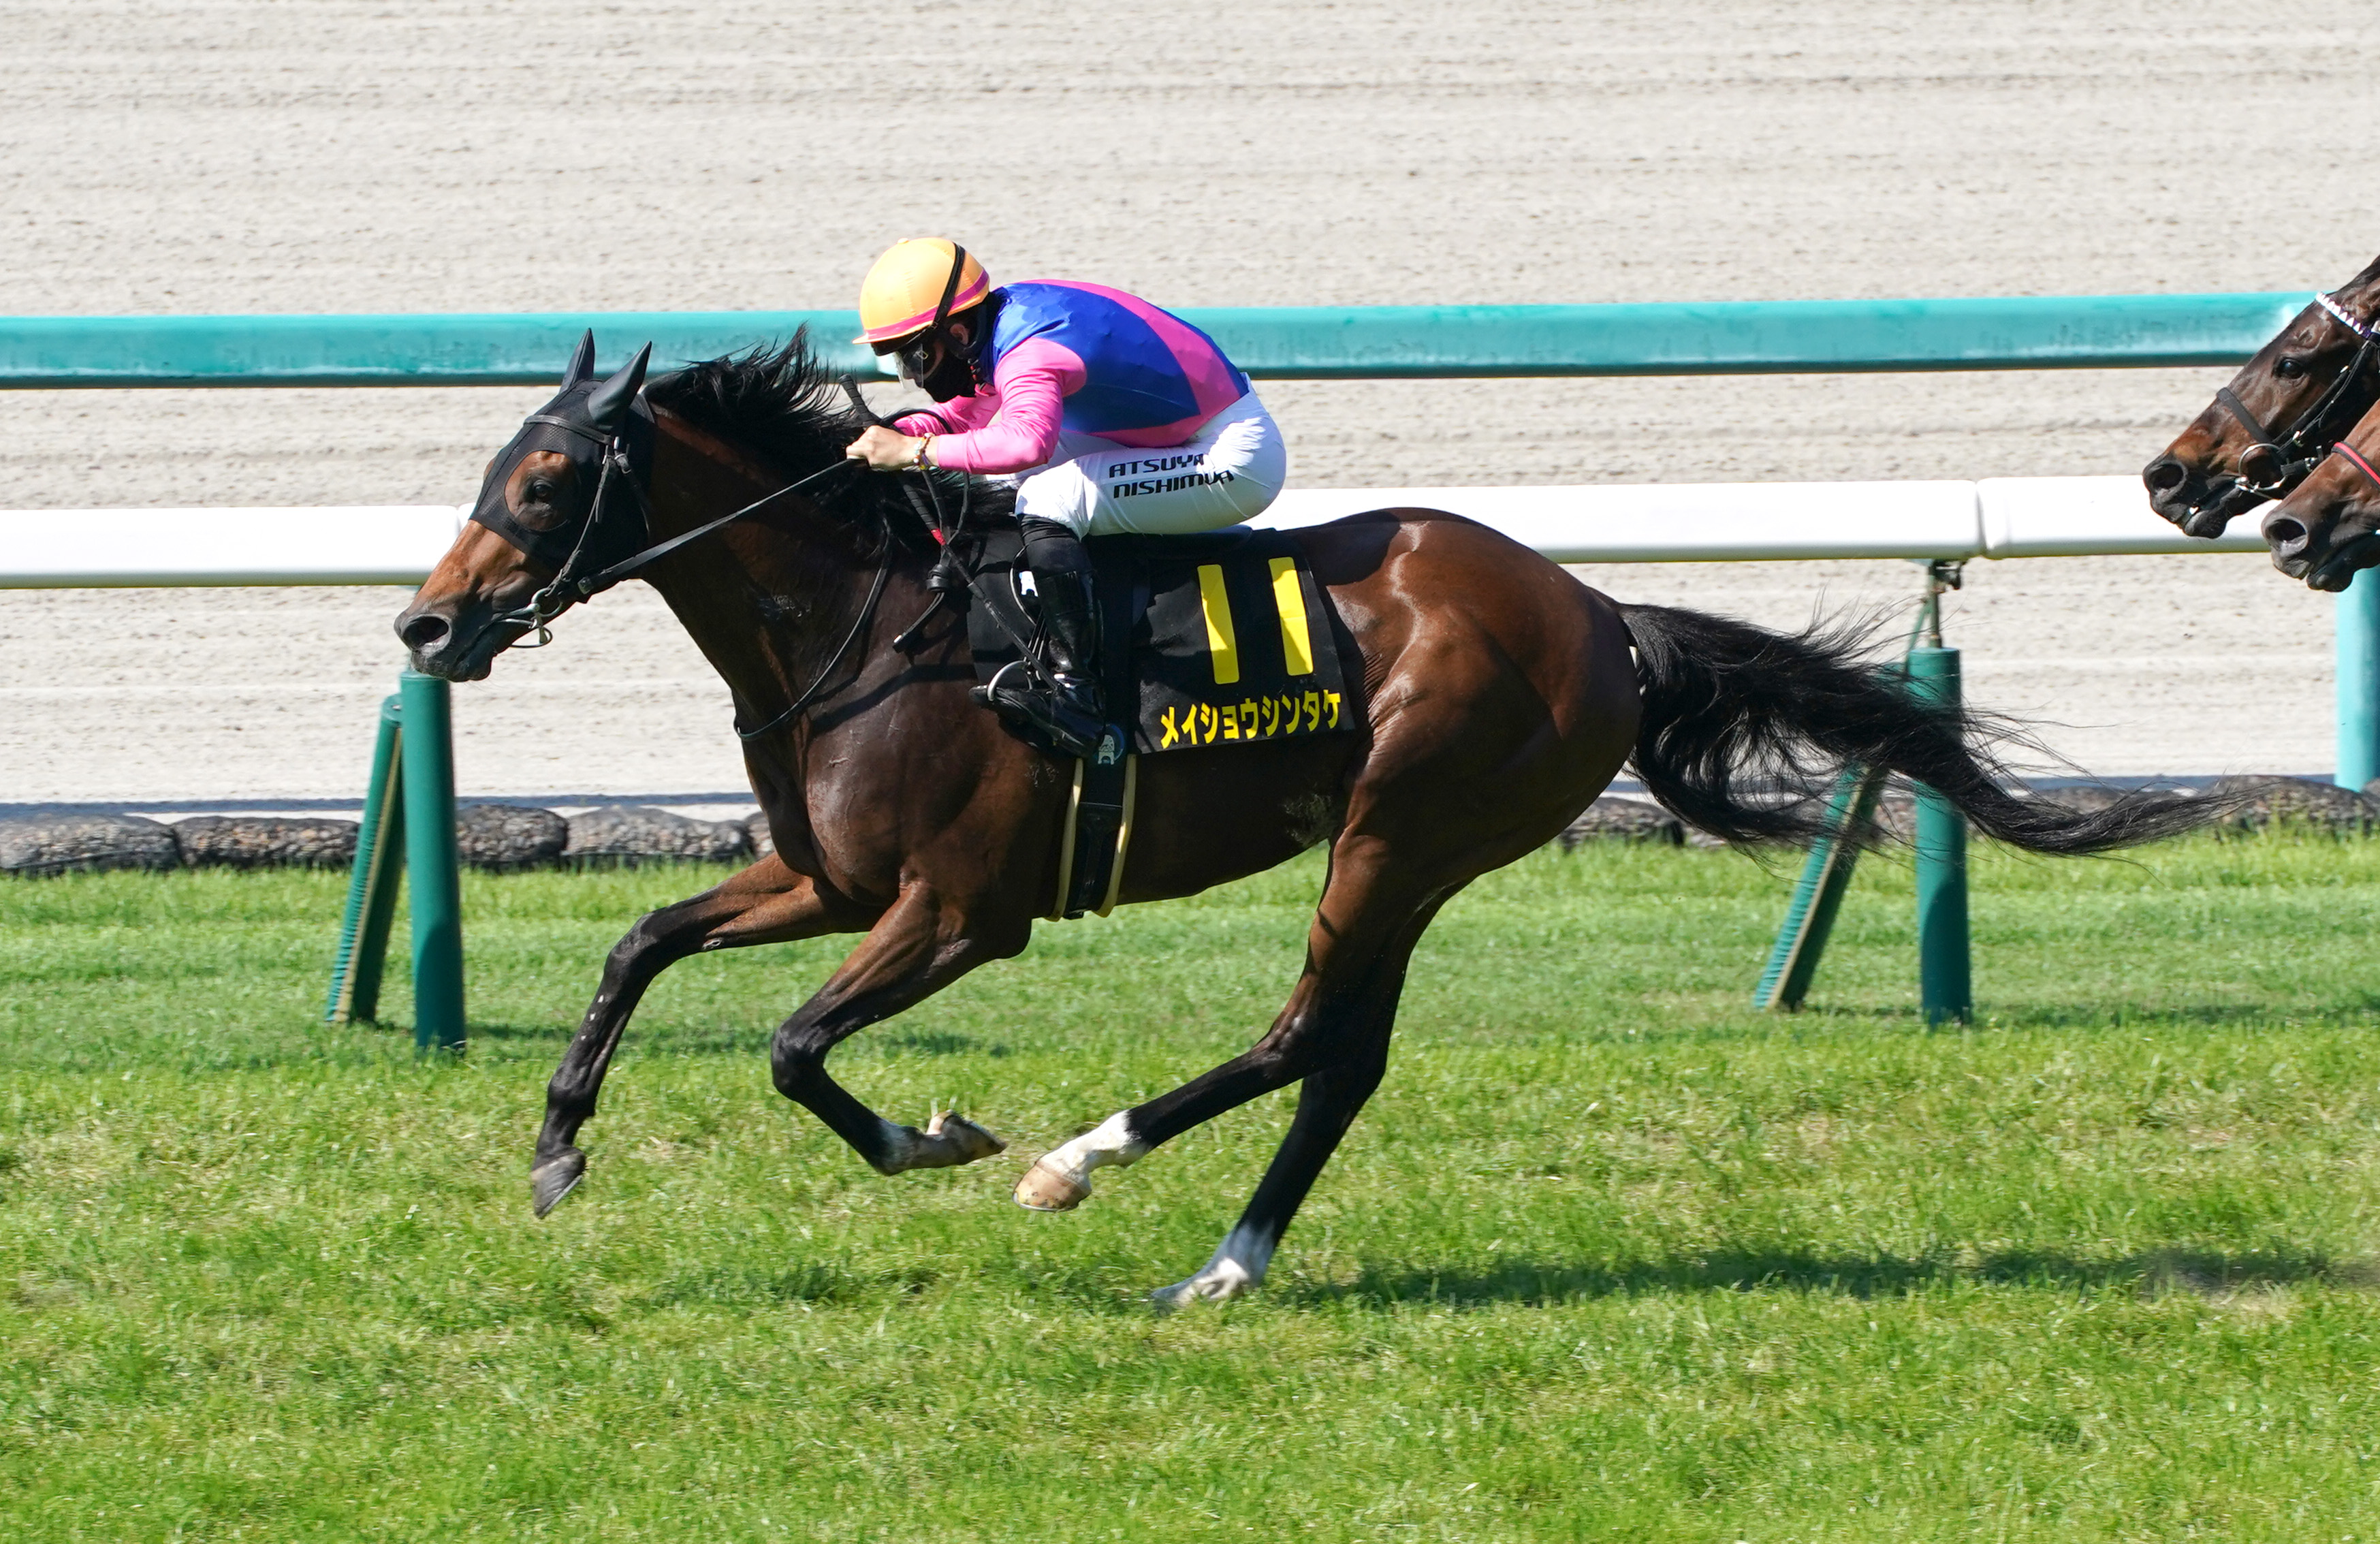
1211,1286
1045,1189
557,1177
962,1138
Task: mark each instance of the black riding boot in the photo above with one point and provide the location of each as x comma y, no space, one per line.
1066,705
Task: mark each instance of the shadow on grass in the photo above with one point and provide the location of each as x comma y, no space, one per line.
812,1283
2350,1006
551,1033
662,1038
1533,1283
1087,1287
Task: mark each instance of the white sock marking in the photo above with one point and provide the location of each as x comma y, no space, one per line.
1110,1141
1239,1263
1236,1268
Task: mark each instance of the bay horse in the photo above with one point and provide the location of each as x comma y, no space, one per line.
2279,416
2327,529
1496,697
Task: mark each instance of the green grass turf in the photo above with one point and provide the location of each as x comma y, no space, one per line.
1609,1256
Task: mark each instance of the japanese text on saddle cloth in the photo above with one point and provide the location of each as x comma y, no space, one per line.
1228,637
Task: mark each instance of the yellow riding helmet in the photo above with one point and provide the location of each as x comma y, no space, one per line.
913,284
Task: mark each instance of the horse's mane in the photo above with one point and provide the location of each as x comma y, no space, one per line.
789,405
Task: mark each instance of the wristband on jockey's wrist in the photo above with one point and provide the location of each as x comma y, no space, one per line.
918,463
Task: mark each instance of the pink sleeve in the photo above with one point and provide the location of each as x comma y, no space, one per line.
954,417
1030,388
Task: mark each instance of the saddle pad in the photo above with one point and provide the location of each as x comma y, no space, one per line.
1228,639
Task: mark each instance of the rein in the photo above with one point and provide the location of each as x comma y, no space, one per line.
544,606
565,590
858,626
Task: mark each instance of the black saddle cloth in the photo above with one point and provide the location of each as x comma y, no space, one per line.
1219,638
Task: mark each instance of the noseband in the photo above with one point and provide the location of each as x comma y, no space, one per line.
2311,438
2354,457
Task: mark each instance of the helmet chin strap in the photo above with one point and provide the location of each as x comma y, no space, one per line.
950,287
937,380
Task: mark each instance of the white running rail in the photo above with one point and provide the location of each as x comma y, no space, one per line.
1999,517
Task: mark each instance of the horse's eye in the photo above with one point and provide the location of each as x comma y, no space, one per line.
541,491
2289,367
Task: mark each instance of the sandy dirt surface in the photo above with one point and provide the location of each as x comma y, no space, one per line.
240,157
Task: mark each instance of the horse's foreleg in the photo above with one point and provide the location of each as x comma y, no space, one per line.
765,904
919,946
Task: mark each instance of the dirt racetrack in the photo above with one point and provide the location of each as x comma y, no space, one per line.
440,156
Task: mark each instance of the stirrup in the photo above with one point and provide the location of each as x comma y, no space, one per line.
1040,706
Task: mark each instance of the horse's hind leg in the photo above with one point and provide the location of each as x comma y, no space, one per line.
1328,1103
1372,911
767,903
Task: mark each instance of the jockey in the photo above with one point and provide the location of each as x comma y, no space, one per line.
1110,415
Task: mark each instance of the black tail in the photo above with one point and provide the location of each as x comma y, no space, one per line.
1745,732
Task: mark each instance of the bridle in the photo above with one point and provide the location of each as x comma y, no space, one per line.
2355,458
566,589
2303,446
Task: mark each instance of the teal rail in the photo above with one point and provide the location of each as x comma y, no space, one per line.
1315,343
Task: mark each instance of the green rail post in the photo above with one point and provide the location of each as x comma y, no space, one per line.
1945,980
2357,621
372,884
435,883
1810,918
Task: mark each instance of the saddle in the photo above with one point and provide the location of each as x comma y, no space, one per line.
1223,637
1219,638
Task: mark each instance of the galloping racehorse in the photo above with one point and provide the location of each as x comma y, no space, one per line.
1497,697
2277,420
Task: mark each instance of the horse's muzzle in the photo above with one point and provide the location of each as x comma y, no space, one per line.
451,643
2291,543
2325,561
2179,494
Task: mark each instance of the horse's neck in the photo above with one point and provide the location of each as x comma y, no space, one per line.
766,600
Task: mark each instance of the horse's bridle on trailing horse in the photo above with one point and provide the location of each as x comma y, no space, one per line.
2296,451
611,429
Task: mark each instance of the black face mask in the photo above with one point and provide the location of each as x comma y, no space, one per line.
585,417
951,376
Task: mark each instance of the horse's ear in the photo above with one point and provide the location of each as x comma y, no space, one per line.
582,361
610,401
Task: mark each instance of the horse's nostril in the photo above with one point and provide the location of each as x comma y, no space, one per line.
2165,475
423,631
2284,533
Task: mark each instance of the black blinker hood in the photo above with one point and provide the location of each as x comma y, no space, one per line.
581,422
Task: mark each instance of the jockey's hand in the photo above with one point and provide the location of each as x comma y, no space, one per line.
885,450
